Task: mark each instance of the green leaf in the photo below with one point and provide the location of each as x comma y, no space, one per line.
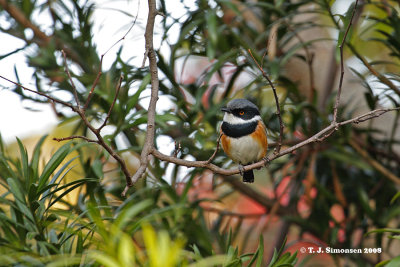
364,201
36,157
261,252
24,162
217,260
395,197
212,30
71,186
279,260
60,173
128,213
103,259
97,167
65,260
346,21
347,158
53,163
16,190
395,262
133,100
32,192
384,230
126,251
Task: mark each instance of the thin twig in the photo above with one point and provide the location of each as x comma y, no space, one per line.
96,81
177,149
99,73
145,55
337,185
250,192
335,108
70,80
222,212
40,93
117,89
216,150
75,137
278,109
108,148
309,61
271,39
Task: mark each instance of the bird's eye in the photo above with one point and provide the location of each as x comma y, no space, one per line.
241,112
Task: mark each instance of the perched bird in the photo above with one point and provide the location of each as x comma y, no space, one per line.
243,135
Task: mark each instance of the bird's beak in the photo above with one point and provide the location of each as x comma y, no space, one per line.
225,109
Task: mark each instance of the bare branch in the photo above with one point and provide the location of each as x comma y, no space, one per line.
177,149
223,212
335,108
278,109
75,137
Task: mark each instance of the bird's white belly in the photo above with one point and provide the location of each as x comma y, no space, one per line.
245,150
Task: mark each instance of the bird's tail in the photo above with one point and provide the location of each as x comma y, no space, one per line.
248,176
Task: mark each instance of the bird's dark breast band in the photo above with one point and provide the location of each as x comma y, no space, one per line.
238,130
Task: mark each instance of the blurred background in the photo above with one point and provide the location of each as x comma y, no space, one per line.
61,201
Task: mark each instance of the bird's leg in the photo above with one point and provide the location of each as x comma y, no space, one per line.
241,169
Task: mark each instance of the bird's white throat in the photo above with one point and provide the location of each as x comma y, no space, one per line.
232,119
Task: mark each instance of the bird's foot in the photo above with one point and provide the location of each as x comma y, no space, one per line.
266,160
241,169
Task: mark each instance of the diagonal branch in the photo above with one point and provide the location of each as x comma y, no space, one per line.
22,19
318,137
41,94
378,166
382,78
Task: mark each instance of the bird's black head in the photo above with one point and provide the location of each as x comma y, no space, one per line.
241,108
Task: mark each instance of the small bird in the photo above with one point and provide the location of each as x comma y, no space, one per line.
243,135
